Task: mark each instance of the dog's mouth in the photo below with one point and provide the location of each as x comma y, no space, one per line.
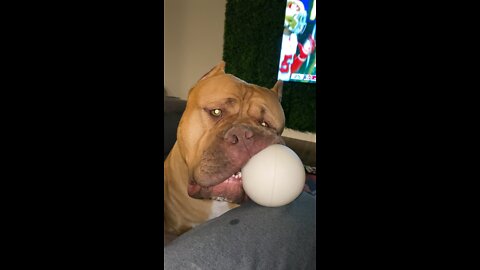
229,190
218,176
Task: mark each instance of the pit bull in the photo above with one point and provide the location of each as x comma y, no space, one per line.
226,121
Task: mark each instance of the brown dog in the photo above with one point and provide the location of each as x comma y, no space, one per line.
226,121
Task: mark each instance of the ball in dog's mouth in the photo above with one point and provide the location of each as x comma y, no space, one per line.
229,190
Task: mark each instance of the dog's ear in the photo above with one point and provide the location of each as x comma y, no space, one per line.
218,69
278,88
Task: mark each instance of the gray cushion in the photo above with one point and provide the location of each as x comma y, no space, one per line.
250,237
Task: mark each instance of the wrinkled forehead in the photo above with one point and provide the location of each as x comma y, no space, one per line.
227,87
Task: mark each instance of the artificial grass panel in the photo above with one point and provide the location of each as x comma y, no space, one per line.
252,44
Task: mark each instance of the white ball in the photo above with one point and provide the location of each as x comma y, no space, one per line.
274,176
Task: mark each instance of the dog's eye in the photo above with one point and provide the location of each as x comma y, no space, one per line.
264,124
216,112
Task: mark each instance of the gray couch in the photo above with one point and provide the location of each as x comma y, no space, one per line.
173,110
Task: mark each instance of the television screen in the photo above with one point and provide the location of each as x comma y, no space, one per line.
298,53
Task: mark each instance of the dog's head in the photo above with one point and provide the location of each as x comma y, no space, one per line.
225,123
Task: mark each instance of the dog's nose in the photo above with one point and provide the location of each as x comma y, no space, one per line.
238,134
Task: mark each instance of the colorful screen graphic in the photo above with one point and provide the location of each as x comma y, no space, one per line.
298,54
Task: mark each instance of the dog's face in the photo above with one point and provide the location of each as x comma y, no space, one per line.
226,122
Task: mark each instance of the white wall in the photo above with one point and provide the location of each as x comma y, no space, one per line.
194,44
193,41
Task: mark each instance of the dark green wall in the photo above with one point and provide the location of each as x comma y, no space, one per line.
252,43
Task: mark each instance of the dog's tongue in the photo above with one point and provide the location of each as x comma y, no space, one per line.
230,190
